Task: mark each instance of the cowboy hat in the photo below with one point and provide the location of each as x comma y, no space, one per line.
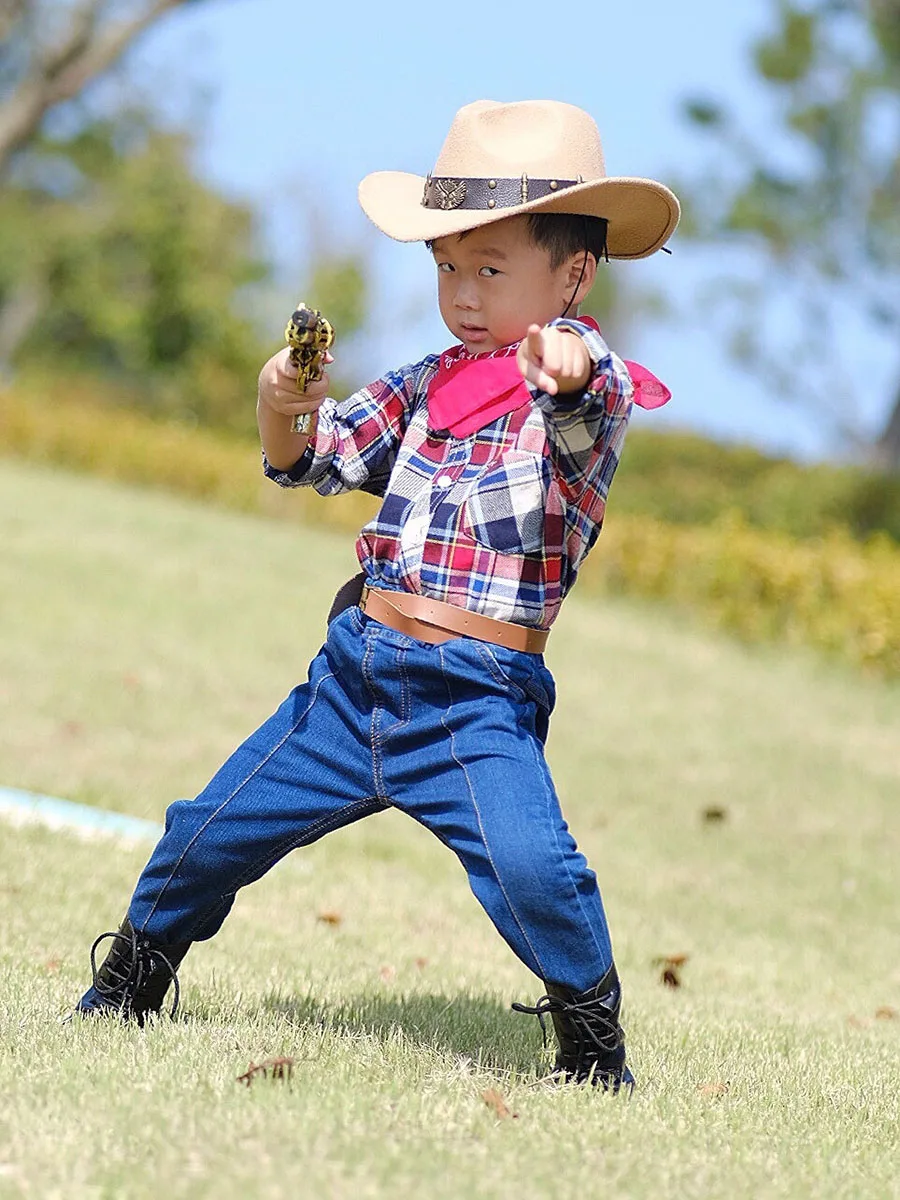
531,156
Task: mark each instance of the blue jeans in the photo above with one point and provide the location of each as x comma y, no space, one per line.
453,735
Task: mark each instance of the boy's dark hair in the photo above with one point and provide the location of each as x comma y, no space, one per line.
562,235
565,234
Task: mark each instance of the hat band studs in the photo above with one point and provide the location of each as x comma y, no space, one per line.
445,192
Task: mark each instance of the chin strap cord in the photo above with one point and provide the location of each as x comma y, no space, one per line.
604,252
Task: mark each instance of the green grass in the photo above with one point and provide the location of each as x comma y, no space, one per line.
141,637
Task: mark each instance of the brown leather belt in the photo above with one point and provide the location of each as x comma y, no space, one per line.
434,621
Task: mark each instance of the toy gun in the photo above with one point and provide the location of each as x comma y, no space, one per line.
309,335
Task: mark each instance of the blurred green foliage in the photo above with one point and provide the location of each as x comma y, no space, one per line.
118,262
831,593
689,480
829,590
337,287
813,191
134,269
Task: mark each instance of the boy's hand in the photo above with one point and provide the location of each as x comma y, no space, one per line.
554,359
278,387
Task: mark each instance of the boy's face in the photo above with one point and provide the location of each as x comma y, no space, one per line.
494,282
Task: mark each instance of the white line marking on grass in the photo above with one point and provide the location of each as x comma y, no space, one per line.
27,808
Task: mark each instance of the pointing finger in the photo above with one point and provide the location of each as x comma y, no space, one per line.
535,340
534,374
553,355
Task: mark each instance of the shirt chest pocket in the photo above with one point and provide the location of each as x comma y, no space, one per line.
504,508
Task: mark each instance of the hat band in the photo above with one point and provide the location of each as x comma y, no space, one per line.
445,192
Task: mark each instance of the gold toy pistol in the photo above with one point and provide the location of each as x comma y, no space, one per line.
309,335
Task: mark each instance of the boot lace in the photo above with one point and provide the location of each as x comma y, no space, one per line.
142,961
594,1027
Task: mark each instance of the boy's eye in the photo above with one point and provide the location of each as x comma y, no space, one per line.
445,267
488,272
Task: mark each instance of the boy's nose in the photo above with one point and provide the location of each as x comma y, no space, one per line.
466,297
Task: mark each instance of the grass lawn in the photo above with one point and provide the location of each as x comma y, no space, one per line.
142,637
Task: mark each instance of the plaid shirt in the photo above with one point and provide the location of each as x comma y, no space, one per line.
498,522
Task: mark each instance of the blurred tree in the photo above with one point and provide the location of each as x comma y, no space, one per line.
619,307
116,260
51,50
814,193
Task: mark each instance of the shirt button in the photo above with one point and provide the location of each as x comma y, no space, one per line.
443,481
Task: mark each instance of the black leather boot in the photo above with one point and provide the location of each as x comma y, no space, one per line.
133,979
591,1041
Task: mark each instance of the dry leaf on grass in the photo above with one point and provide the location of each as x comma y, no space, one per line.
670,968
497,1104
714,814
329,917
274,1068
715,1090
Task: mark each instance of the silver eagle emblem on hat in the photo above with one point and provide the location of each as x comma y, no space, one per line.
449,193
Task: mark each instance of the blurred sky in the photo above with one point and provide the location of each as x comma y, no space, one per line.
304,99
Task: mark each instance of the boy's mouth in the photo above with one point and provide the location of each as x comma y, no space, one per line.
473,333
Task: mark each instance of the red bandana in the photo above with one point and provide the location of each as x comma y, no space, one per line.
468,392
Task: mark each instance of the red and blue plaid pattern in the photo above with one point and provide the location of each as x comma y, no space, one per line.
497,522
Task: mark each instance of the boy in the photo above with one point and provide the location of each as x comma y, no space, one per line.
494,460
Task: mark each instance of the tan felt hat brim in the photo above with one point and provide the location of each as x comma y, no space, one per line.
641,212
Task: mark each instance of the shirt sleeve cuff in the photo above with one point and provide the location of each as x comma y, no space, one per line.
609,386
295,476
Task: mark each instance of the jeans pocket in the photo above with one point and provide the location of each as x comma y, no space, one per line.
504,509
526,679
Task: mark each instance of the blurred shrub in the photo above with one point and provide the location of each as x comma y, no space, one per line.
689,480
120,261
86,428
116,258
832,592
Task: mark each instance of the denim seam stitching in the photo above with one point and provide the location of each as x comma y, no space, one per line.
484,841
294,842
405,703
407,690
493,666
323,824
367,680
374,725
564,860
377,752
289,734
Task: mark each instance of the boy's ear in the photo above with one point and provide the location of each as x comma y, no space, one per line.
581,266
